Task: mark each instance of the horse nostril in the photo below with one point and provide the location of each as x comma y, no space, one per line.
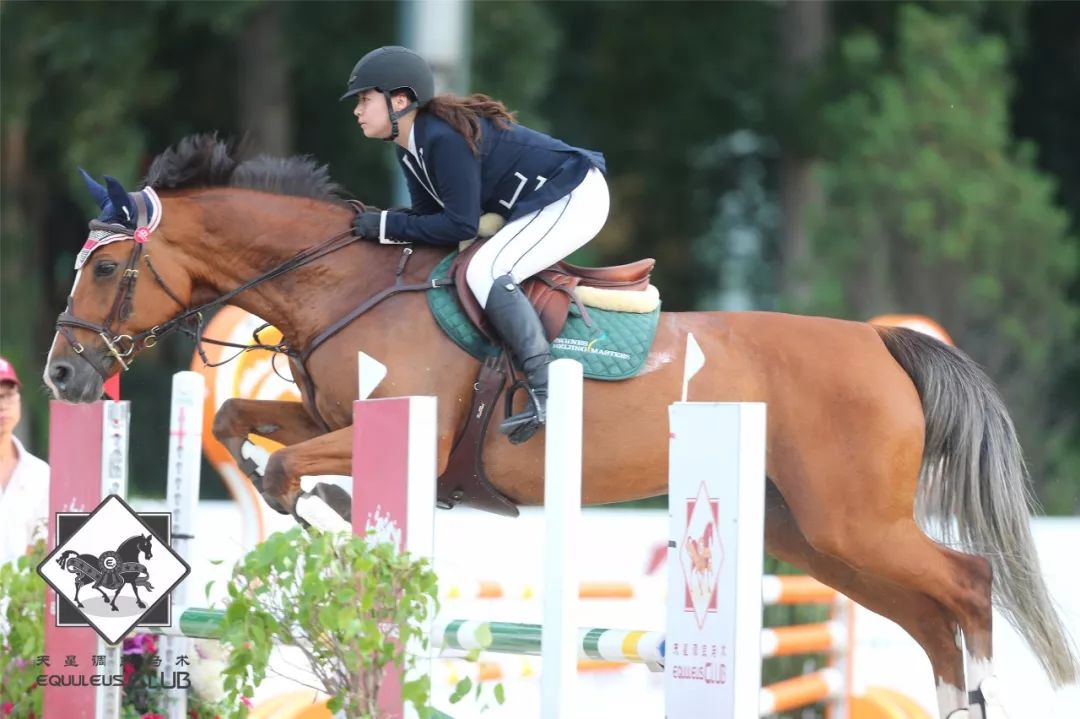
61,372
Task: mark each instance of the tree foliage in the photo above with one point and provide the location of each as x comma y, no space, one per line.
932,203
934,208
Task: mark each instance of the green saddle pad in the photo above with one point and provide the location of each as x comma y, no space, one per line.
614,348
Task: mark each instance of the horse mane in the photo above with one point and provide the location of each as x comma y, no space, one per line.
206,161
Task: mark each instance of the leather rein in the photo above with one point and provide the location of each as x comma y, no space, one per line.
190,321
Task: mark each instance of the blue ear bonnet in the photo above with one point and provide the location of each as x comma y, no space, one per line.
117,205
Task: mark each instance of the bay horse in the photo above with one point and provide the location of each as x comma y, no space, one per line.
874,433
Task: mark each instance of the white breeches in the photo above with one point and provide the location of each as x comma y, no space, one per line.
538,240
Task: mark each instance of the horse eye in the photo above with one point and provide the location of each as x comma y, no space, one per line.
105,268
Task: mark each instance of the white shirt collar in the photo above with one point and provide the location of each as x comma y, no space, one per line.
412,140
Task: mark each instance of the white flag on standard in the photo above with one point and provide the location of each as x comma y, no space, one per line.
694,361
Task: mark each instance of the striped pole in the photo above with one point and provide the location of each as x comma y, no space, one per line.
591,643
596,643
786,589
795,589
801,691
803,639
600,590
515,668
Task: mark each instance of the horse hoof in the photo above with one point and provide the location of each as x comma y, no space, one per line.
275,504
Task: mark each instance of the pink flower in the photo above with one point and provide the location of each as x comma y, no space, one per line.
247,702
140,644
7,709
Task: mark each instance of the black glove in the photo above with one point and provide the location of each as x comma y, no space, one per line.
366,225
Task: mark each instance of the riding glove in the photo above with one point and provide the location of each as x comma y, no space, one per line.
366,225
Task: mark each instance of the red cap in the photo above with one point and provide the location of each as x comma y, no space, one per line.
7,373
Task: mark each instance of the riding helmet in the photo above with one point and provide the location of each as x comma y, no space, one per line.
392,68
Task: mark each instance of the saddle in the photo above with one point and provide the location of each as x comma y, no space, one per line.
552,290
464,481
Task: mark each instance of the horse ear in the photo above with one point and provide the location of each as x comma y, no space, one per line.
121,202
99,193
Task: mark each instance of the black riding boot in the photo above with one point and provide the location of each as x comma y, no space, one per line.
519,326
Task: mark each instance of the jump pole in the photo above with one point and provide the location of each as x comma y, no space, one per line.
716,499
562,535
182,498
394,469
88,461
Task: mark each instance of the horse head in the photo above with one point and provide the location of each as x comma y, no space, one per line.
110,314
62,559
145,546
219,228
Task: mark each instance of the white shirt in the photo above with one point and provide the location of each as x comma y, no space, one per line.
24,505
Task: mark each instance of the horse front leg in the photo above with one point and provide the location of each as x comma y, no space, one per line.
326,454
286,423
138,599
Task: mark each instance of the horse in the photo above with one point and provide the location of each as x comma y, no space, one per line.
877,436
108,570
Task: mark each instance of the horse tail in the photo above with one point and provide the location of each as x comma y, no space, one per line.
973,488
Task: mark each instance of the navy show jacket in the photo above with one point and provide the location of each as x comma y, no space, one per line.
518,171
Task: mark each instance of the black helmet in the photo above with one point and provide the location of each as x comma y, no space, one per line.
392,68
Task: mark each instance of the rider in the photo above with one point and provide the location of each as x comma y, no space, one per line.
465,156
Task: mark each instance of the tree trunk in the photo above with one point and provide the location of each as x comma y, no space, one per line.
263,87
804,31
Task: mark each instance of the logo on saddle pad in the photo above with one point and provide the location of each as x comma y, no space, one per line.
111,570
701,555
591,346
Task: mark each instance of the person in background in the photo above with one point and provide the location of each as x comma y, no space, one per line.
24,479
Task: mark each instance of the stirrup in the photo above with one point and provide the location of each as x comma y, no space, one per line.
522,426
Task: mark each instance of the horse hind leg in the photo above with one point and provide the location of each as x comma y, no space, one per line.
104,594
921,616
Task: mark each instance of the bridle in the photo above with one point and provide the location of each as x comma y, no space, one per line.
120,347
191,320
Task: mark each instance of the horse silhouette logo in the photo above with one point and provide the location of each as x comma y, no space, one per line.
701,555
112,569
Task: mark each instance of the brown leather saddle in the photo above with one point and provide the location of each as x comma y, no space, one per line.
551,291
